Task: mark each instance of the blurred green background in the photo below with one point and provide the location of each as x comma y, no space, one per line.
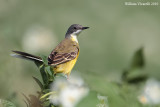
106,49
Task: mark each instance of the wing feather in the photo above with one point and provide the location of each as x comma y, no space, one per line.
56,59
64,52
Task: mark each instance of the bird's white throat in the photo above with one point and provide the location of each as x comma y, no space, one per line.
75,34
74,37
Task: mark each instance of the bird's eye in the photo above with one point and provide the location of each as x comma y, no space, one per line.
75,28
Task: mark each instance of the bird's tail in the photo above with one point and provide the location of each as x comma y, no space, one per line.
24,55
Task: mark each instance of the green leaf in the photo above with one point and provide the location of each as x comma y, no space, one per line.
46,103
48,70
38,82
39,64
136,76
138,59
46,90
51,105
44,75
5,103
47,94
45,59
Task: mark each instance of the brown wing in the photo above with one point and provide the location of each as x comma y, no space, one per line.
67,50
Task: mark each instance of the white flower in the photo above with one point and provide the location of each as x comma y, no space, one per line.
100,97
151,92
38,39
69,92
103,101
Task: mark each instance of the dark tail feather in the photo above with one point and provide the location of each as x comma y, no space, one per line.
28,56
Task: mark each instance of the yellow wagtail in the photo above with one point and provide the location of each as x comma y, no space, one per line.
63,58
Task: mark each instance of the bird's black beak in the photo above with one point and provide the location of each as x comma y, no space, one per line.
83,28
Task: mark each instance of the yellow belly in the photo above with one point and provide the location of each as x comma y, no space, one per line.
65,67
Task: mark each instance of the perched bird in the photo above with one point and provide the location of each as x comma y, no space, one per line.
63,58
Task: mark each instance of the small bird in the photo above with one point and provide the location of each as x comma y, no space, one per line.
63,58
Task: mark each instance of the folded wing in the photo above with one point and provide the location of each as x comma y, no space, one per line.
66,51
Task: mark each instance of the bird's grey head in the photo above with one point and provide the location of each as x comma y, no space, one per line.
75,29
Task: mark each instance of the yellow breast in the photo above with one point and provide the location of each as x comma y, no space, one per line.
65,67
